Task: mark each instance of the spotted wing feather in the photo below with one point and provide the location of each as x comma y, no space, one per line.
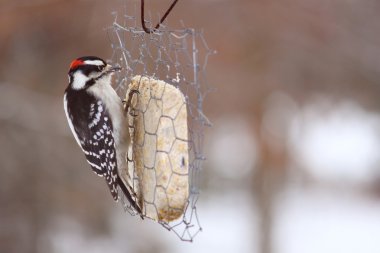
95,136
101,153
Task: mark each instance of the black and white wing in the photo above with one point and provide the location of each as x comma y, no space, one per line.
92,129
100,146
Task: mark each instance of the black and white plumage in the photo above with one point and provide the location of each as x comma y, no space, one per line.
97,120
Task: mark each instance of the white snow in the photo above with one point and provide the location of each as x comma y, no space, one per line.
316,221
341,143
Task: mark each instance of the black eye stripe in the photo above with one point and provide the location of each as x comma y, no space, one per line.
88,69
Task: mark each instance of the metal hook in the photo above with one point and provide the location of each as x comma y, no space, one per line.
148,30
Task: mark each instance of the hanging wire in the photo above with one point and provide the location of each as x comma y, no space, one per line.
148,30
178,58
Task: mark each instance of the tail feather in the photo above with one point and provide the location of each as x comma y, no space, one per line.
128,195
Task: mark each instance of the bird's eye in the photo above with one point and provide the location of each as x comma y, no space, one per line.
100,68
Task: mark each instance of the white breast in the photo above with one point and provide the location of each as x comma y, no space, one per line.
104,91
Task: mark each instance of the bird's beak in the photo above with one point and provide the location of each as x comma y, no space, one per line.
111,68
108,70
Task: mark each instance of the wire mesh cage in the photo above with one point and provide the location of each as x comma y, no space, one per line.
163,77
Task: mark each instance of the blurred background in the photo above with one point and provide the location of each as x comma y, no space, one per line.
293,155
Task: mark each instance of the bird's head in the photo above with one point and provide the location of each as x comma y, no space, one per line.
89,70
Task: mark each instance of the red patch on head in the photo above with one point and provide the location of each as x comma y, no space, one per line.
76,63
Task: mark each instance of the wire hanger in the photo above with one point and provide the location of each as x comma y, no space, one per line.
148,30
